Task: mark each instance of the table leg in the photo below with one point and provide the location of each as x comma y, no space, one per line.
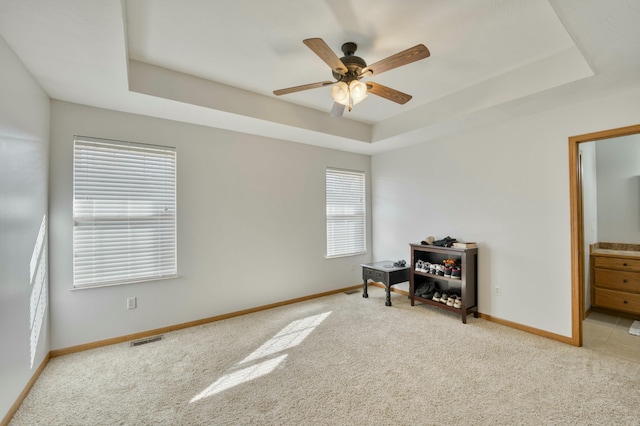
364,290
388,301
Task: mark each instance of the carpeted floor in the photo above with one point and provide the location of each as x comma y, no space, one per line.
338,360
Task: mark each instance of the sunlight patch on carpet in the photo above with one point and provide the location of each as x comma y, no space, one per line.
290,336
635,328
241,376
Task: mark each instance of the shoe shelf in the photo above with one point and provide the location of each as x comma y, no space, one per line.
435,276
460,291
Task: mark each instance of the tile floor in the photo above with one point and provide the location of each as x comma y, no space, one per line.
610,334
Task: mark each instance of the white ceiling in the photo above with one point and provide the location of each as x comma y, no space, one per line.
216,63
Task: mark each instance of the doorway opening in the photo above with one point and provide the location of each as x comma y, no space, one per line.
577,224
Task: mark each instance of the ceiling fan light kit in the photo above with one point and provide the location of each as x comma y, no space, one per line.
349,94
348,90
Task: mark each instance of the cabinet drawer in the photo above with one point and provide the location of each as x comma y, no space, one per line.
617,280
618,263
618,300
372,274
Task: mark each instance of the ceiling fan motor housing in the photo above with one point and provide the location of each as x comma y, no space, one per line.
353,63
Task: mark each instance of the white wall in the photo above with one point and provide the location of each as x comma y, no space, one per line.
251,226
505,186
618,175
24,144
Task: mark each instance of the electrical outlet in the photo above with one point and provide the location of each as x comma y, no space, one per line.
497,290
132,303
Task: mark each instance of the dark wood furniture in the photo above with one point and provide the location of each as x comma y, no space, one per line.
615,275
466,286
383,272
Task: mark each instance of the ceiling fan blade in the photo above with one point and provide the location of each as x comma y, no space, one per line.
388,93
303,87
337,110
405,57
325,53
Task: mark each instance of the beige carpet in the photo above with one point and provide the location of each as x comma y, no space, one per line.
338,360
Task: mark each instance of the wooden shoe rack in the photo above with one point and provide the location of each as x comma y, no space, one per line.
466,286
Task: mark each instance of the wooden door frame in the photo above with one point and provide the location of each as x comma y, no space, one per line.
577,223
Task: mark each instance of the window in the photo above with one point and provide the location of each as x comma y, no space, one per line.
124,212
346,213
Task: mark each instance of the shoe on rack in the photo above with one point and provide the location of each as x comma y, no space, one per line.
430,290
436,297
428,294
456,273
419,266
451,300
458,303
447,271
425,266
444,298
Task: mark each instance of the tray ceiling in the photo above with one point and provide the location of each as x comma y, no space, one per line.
217,63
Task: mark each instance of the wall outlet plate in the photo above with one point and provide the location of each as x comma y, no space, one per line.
132,303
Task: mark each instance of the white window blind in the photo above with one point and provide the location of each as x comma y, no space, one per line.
346,213
124,211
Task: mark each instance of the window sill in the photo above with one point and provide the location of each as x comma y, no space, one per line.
145,280
346,255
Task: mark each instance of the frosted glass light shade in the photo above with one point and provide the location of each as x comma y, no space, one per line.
340,93
349,95
358,91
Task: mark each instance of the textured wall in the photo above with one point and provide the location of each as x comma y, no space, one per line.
251,226
505,186
618,172
24,146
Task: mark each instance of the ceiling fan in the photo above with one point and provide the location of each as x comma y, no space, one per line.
348,90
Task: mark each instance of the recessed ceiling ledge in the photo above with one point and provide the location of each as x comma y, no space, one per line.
552,71
168,84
